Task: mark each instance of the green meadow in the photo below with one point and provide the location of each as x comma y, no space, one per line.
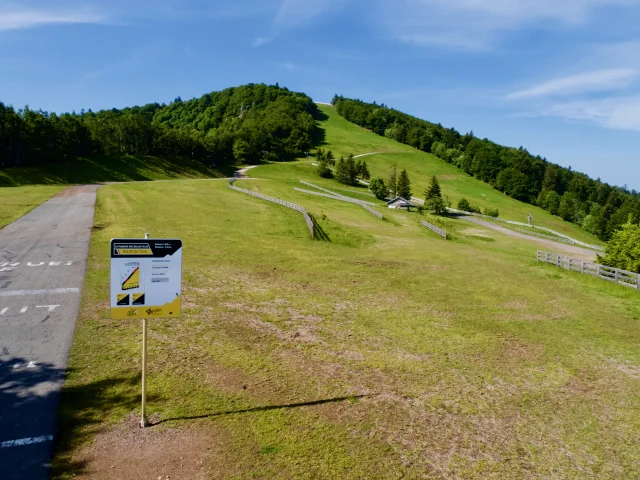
378,350
16,202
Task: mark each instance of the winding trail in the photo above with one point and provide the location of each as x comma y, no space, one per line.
582,253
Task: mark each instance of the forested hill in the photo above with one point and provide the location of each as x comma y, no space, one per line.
245,124
596,206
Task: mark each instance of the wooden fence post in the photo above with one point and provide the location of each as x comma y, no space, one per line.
598,270
617,276
638,282
557,260
582,267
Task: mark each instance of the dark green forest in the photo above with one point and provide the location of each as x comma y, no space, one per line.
596,206
246,124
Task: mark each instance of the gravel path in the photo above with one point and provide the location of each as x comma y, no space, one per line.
578,252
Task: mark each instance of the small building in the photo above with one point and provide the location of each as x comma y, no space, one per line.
399,203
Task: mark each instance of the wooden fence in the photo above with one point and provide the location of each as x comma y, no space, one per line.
520,224
432,227
284,203
622,277
342,198
336,194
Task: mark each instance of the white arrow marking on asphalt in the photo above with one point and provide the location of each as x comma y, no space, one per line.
52,291
26,441
50,307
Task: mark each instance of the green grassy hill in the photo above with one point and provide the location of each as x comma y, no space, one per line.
379,352
344,137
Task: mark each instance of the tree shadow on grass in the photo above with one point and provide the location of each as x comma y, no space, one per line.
318,232
267,408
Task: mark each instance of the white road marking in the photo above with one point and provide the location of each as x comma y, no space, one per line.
7,269
29,264
50,307
26,441
32,364
23,309
4,310
51,291
9,264
54,264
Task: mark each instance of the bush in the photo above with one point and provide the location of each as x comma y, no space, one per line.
378,188
464,205
491,212
324,170
623,250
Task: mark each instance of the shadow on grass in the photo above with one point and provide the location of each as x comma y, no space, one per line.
267,408
81,416
108,169
318,231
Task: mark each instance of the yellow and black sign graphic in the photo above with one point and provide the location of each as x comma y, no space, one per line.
123,299
133,280
132,249
138,299
171,309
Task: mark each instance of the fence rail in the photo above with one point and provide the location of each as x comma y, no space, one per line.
432,227
336,194
284,203
341,198
520,224
622,277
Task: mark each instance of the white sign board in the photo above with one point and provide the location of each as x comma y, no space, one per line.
146,277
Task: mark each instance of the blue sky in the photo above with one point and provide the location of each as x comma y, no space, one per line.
559,77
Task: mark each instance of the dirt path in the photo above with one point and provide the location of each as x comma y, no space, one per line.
578,252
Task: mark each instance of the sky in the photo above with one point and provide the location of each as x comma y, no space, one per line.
559,77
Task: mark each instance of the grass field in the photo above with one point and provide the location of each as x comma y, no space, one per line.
382,351
106,169
16,202
343,138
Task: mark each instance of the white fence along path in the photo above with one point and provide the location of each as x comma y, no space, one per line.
284,203
520,224
622,277
343,198
432,227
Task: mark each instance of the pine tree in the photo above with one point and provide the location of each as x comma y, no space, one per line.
392,184
342,172
404,185
433,197
351,169
324,170
364,171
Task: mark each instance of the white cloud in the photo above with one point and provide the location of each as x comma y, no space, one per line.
289,66
13,17
617,112
599,80
474,24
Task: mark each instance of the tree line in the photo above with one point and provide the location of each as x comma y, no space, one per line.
596,206
246,124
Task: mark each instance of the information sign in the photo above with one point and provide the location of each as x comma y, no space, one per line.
146,277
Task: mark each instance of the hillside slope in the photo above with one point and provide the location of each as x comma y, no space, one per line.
344,137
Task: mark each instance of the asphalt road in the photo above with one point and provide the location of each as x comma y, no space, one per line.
42,267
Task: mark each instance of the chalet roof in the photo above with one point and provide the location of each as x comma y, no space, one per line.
399,200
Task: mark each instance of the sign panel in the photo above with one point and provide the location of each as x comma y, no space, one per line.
146,277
